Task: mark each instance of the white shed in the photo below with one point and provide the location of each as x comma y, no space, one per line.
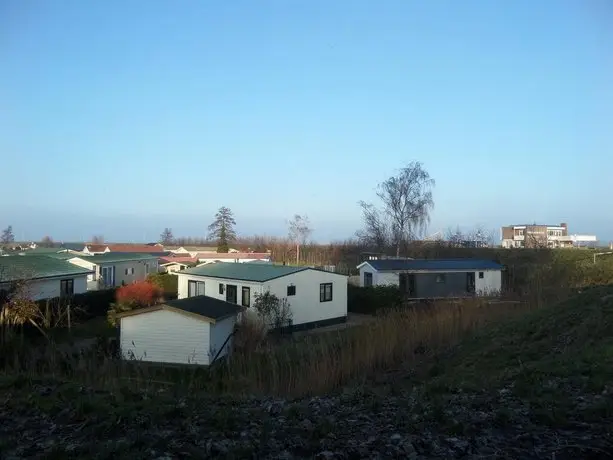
430,278
197,330
316,298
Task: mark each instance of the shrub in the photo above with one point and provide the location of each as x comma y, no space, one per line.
370,300
273,311
132,296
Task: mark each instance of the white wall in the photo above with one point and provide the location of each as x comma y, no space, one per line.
211,287
219,333
165,336
490,284
51,287
379,279
305,305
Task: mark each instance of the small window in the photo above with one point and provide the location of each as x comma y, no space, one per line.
146,269
246,297
367,279
221,288
441,278
480,275
325,292
129,271
291,290
195,288
66,287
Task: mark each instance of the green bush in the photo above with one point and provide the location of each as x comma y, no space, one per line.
370,300
168,282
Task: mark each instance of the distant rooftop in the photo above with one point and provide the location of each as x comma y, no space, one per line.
112,257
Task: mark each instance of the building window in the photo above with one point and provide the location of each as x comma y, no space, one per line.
291,290
440,278
480,275
367,279
129,271
325,292
246,297
195,288
221,288
66,287
146,269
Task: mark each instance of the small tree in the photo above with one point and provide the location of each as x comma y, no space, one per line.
274,312
167,237
299,232
97,239
47,242
8,236
222,229
132,296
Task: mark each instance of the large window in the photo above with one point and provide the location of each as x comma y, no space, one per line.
246,297
367,279
291,290
195,288
66,287
325,292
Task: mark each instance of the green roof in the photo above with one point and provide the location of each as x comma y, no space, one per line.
64,255
114,257
13,268
40,251
243,272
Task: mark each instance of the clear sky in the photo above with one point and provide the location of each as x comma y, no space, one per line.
121,118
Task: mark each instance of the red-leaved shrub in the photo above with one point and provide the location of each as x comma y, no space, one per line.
139,294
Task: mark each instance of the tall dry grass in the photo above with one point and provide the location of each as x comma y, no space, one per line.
305,365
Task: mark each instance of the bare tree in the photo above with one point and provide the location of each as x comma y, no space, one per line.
97,239
8,236
167,237
406,203
299,232
376,231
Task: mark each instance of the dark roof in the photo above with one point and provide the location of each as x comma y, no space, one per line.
202,305
243,272
433,264
13,268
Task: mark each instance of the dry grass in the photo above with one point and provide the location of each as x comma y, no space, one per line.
311,364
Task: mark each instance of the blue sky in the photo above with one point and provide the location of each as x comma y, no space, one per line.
122,118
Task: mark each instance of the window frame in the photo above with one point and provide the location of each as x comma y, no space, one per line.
441,278
481,275
292,287
323,292
368,275
247,290
64,283
197,284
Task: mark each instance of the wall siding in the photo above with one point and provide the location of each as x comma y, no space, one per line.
305,305
211,287
50,288
219,333
491,284
165,336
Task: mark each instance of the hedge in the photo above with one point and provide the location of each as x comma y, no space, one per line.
87,305
369,300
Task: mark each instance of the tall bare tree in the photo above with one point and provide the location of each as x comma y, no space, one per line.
406,203
98,239
299,232
222,229
8,236
167,237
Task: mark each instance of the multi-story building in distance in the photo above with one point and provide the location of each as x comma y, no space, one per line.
539,236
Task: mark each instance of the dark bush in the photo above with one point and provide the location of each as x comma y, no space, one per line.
85,306
370,300
168,282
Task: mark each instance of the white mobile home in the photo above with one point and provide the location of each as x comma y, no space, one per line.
427,278
44,277
196,330
116,268
316,298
